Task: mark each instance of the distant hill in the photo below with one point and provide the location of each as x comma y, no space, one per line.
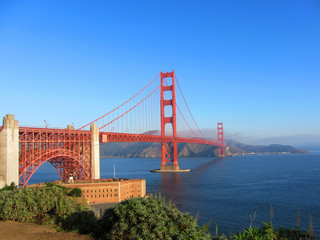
142,150
239,148
136,150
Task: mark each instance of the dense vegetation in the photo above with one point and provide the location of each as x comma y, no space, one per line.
267,232
149,218
137,218
50,204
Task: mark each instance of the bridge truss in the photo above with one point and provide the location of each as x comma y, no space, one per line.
69,151
142,118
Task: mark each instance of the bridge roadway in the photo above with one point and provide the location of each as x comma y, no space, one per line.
105,137
127,137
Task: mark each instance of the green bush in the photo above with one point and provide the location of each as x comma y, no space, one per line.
75,192
84,222
47,205
149,218
267,232
11,187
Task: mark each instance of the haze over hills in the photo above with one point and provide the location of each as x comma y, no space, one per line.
237,143
146,149
128,150
298,141
306,141
239,148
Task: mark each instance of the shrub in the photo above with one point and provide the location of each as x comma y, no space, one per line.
47,205
267,232
75,192
149,218
11,187
83,222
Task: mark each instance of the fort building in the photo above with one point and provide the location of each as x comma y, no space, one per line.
108,190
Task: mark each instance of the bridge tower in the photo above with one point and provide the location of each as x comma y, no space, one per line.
169,150
220,139
9,151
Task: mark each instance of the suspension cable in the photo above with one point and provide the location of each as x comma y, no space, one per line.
131,108
189,108
120,105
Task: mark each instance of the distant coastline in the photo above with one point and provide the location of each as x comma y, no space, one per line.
266,153
153,150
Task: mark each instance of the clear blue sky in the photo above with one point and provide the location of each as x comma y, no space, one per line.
254,65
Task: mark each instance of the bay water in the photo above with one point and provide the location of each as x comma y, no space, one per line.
228,192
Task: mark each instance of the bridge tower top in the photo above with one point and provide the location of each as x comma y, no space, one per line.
168,102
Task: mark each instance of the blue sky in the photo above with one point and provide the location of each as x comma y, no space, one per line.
253,65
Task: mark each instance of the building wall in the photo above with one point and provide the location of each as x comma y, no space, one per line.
108,190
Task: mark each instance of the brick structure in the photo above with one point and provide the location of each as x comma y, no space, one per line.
109,190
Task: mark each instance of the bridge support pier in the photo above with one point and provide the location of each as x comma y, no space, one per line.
9,151
169,153
95,152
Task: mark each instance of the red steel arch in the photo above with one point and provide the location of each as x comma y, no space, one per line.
69,151
66,163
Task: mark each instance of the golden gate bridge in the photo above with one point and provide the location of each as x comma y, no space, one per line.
75,152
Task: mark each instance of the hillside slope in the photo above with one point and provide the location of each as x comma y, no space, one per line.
142,150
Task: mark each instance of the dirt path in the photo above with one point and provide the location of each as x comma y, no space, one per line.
30,231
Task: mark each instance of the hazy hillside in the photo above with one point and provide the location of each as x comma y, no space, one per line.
238,148
154,150
127,150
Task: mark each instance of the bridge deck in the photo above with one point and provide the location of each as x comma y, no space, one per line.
127,137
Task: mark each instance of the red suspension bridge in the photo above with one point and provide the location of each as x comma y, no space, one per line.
76,151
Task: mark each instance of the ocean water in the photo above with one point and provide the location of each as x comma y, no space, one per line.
229,191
